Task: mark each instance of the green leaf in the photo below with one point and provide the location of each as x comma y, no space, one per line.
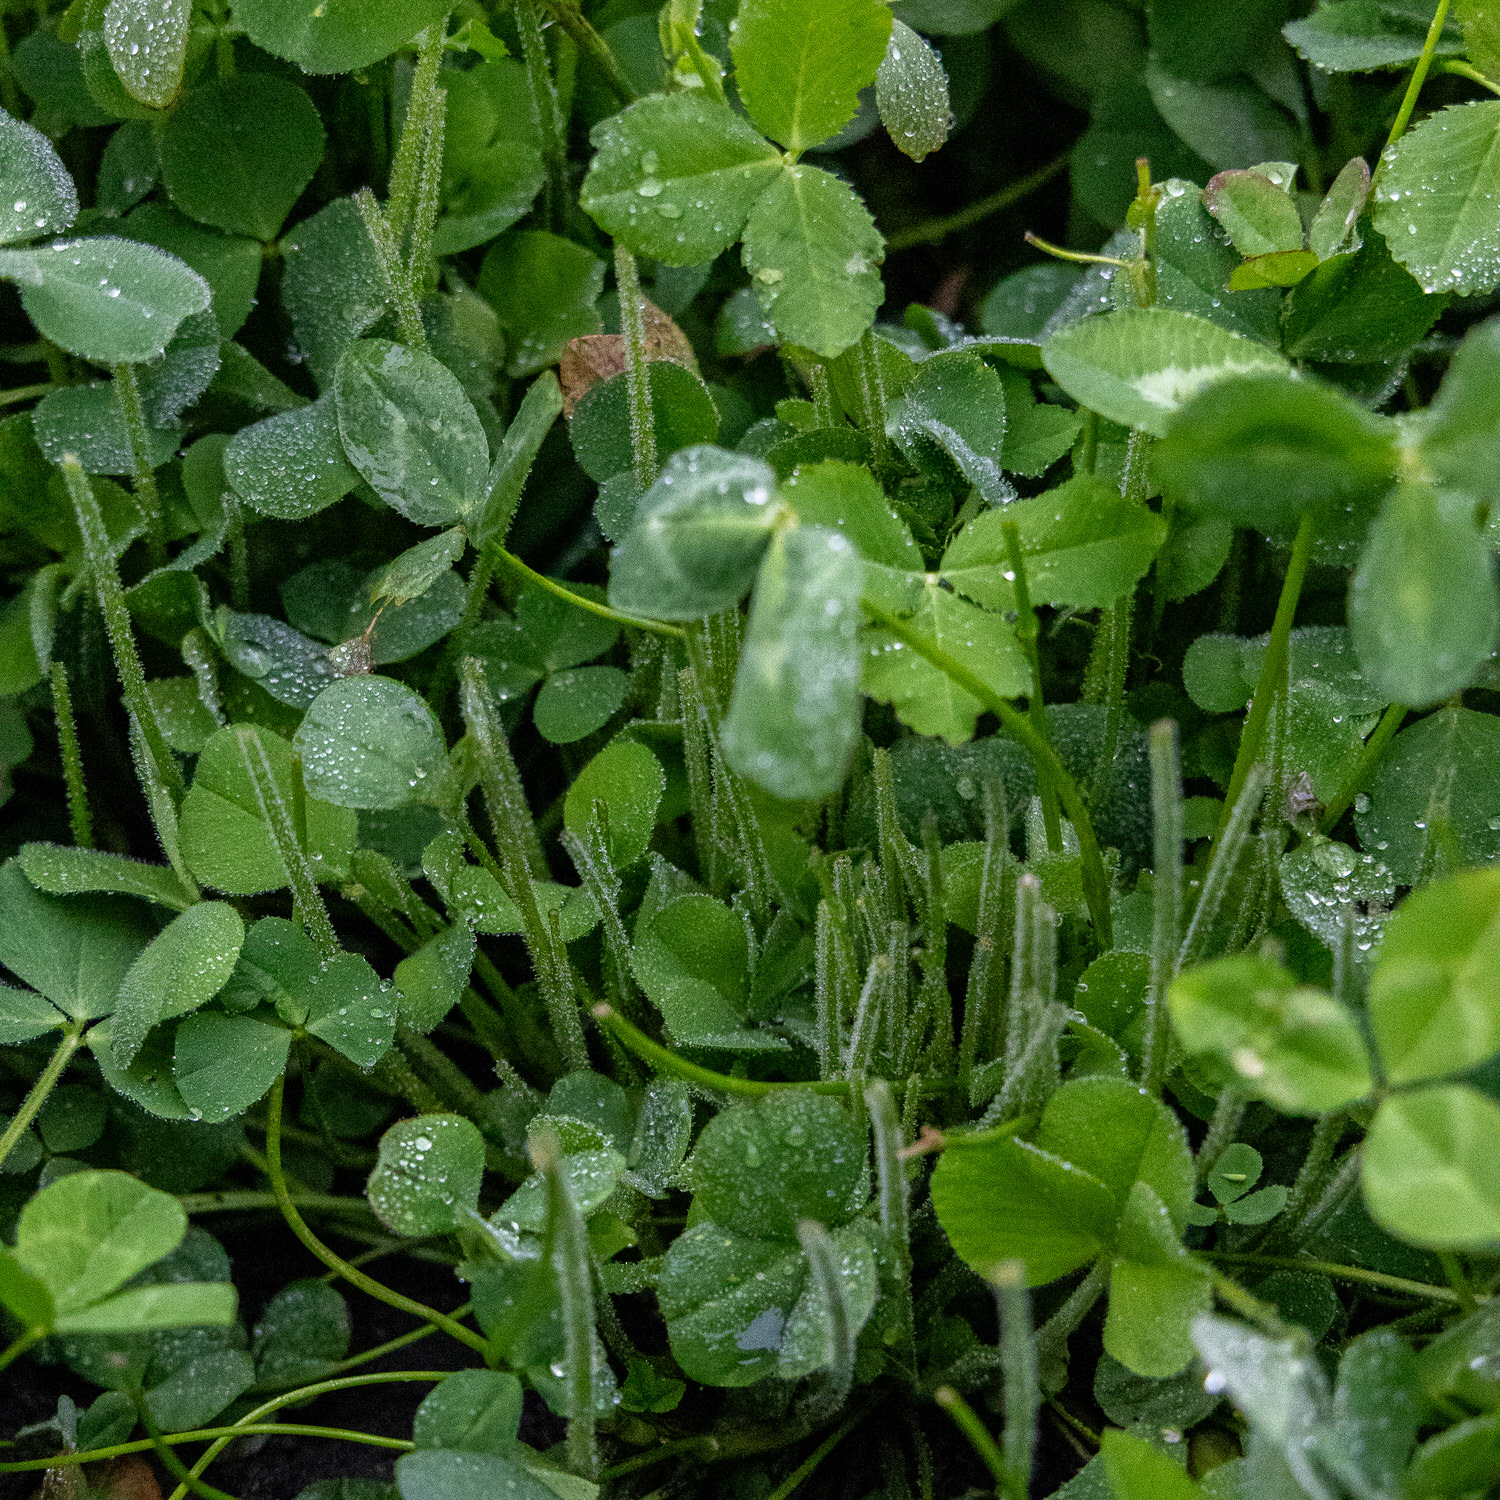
1156,1289
332,287
109,300
699,535
416,570
427,1178
1434,1001
674,176
1262,449
813,252
957,404
230,264
543,289
928,700
225,839
237,152
73,950
1290,1044
1430,1171
441,1474
794,716
1279,269
1138,1471
999,1198
574,703
1422,607
1353,36
183,967
760,1167
301,1335
146,1308
41,198
472,1411
88,1233
627,779
799,70
1378,1408
24,1295
1334,225
1138,367
682,410
518,449
847,497
1259,216
223,1064
24,1016
1194,261
592,1174
1435,201
371,742
432,979
1320,878
289,666
1459,433
911,91
331,600
1085,547
147,42
64,871
408,427
86,421
336,36
291,465
1227,122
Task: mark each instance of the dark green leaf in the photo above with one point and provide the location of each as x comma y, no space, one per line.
427,1178
42,197
543,289
336,36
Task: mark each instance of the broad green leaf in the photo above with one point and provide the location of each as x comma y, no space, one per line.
331,288
427,1178
1202,39
41,198
230,264
543,289
331,600
1085,546
911,92
956,404
88,1233
999,1198
1138,367
86,421
1378,1408
1335,223
301,1334
443,1474
628,781
74,950
1435,202
225,839
109,300
847,497
371,742
1194,261
408,427
954,17
794,716
1459,433
682,410
808,1342
336,36
472,1411
1434,1002
24,1295
1353,36
700,532
591,1174
518,449
760,1167
1280,268
574,703
675,176
1228,122
1292,1045
1422,607
926,699
143,1309
237,152
1321,878
1262,449
25,1016
1138,1471
223,1064
1156,1289
291,465
1259,216
289,666
799,69
416,570
61,870
1481,29
147,42
1431,1175
431,980
183,967
813,252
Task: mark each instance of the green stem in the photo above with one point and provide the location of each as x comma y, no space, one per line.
1364,767
71,1037
15,1349
1419,73
207,1434
1357,1275
335,1262
1036,708
967,1421
806,1468
1166,922
1249,1307
895,1216
545,107
636,622
933,230
148,497
246,1200
1019,1367
79,815
117,624
387,246
19,393
637,368
577,26
1454,1271
1095,878
1462,70
170,1460
1273,668
411,150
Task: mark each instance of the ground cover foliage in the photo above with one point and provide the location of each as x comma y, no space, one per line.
875,845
